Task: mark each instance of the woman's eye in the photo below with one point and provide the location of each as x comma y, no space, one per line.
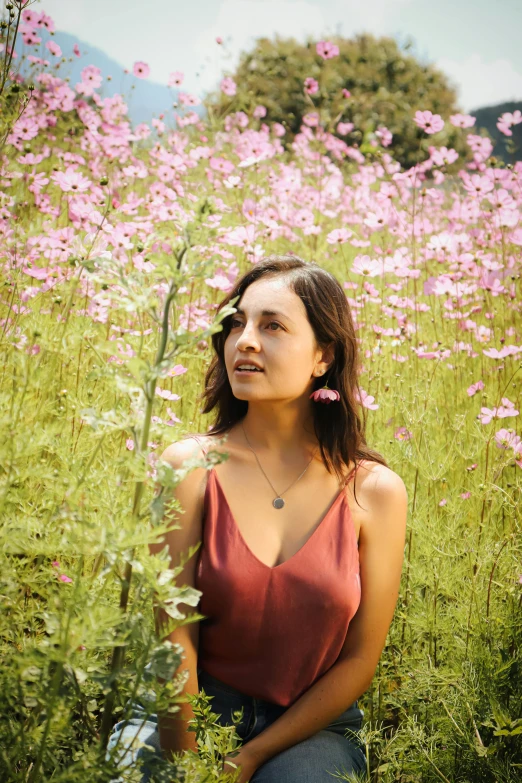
235,322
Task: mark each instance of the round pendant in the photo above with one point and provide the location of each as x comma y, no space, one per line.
278,503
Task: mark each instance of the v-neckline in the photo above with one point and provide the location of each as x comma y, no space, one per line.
334,502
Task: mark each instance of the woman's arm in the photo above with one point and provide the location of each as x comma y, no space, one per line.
381,552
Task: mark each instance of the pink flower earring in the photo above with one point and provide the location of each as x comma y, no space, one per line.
325,395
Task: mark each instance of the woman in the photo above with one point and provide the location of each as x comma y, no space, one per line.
299,579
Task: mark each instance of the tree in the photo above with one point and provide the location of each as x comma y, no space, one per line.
386,84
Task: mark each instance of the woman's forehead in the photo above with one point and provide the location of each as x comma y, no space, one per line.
270,294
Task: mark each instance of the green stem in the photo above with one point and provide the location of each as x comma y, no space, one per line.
55,686
13,41
119,651
56,680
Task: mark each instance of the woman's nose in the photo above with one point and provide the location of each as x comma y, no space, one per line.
248,336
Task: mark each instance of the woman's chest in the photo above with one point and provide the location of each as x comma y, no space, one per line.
311,518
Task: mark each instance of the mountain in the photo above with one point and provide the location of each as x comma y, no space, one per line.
146,99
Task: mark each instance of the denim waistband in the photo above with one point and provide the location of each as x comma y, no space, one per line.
205,677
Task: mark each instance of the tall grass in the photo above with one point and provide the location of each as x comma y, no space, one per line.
108,298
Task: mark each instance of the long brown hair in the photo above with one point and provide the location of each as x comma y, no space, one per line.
339,426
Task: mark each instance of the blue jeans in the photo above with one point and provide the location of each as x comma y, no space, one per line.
335,749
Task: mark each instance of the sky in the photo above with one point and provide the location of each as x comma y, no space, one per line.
475,42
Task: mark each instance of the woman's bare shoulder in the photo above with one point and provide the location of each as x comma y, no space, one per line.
190,445
379,482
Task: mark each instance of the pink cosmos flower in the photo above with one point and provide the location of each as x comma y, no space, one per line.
91,79
367,401
231,182
251,160
45,21
506,350
346,93
303,218
166,394
311,86
486,415
188,100
76,50
476,185
178,369
506,409
384,135
507,120
31,39
221,164
54,48
430,123
364,265
241,236
443,156
259,112
141,70
176,78
327,50
38,60
71,180
228,86
129,443
311,119
339,236
219,39
343,128
401,433
30,18
474,388
505,439
325,395
462,120
26,128
38,181
64,578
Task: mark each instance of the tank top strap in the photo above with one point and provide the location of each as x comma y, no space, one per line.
204,446
351,475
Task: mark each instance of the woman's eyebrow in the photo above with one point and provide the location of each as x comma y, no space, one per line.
240,311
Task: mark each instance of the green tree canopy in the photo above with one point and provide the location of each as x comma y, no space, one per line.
387,87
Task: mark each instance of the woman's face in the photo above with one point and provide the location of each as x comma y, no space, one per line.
280,340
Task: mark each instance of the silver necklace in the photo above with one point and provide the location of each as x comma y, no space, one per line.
278,501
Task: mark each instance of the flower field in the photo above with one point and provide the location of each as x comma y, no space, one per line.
117,245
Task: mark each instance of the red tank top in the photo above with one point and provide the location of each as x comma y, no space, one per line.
272,632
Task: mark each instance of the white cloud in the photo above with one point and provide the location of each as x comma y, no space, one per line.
480,83
370,16
239,22
172,35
